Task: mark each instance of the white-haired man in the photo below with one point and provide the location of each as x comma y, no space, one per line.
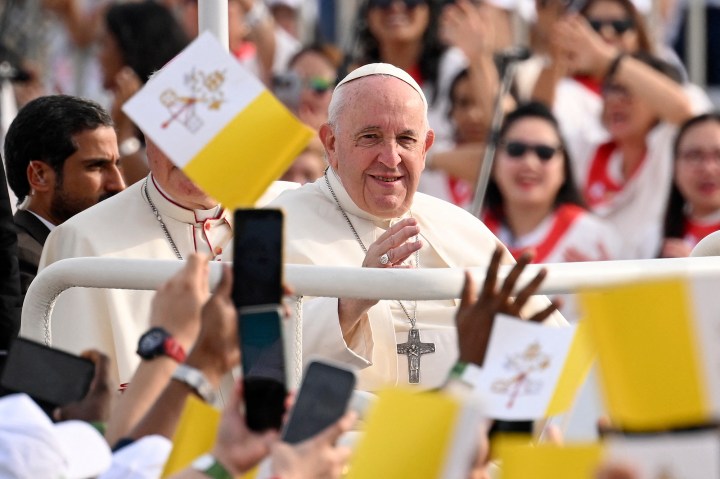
164,216
365,211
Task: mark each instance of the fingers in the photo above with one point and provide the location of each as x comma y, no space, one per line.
397,234
468,295
102,366
394,243
403,252
488,289
545,313
331,434
530,289
224,287
511,279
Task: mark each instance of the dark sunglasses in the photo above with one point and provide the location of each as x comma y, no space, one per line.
386,3
517,149
620,26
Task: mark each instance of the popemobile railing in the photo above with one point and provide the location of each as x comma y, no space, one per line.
342,282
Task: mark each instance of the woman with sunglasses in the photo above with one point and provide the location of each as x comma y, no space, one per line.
313,71
531,200
571,81
693,209
625,175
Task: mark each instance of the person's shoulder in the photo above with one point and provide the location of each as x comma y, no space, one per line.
27,223
440,207
275,189
708,246
111,211
445,215
299,197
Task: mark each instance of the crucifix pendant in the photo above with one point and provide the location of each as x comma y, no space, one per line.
413,348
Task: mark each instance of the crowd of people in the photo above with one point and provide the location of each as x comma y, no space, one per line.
606,151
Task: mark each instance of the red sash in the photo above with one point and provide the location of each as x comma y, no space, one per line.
414,72
589,83
564,217
693,232
460,191
600,188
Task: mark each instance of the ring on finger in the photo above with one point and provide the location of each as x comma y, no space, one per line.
384,259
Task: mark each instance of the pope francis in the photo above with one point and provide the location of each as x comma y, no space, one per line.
365,211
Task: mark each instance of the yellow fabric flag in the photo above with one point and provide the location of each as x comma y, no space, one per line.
548,461
648,354
575,370
218,123
418,435
195,435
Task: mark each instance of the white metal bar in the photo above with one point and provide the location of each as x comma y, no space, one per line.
422,284
213,17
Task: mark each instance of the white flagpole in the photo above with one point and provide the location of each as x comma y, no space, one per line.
213,17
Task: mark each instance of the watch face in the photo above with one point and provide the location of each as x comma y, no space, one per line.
151,341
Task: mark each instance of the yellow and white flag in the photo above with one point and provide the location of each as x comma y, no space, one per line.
689,455
532,371
218,123
430,435
658,351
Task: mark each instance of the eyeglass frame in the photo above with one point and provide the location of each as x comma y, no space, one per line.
544,153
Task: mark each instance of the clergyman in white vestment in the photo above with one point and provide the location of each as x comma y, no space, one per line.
365,211
164,216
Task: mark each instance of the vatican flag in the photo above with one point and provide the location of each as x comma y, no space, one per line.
657,345
218,123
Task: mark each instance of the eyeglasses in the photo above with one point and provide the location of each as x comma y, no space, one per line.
619,26
292,82
696,157
387,3
517,149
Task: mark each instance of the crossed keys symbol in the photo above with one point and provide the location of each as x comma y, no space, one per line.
205,89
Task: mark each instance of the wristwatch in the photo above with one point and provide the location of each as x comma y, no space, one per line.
157,342
196,380
467,373
211,467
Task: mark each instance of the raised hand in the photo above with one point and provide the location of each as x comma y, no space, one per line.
476,314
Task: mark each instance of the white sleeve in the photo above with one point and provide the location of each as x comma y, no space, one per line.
323,337
143,459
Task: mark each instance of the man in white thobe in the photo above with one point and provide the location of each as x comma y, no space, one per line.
365,211
164,216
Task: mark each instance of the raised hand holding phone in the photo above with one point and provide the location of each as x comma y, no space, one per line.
321,401
257,294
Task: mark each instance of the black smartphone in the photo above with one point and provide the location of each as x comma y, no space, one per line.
322,400
257,293
48,375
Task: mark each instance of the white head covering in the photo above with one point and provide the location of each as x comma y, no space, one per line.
32,446
383,69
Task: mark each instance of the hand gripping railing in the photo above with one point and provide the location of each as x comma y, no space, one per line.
422,284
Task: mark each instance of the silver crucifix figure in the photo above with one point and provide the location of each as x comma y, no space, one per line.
413,348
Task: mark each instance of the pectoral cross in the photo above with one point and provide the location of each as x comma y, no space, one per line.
413,348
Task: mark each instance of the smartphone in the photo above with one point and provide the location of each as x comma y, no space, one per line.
323,399
257,293
48,375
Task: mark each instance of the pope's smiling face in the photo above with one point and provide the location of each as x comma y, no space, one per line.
378,144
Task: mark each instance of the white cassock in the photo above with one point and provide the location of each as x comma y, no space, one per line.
124,226
317,233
